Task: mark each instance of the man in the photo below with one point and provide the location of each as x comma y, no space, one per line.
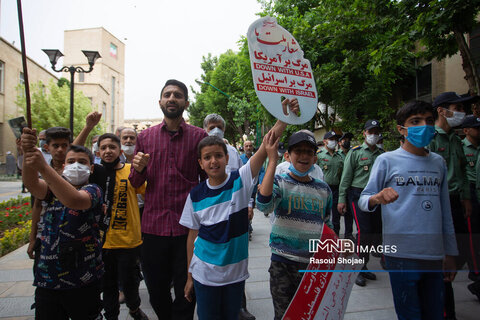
166,157
356,171
344,144
471,144
128,138
214,125
42,143
332,166
450,114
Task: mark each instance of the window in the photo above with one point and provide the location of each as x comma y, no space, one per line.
2,75
21,78
112,115
418,86
81,77
104,111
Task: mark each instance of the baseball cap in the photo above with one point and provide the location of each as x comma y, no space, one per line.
451,97
372,124
298,137
330,135
471,121
346,135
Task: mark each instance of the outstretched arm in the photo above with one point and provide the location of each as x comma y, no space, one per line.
93,118
259,157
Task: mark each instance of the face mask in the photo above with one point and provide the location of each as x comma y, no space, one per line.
128,150
76,173
380,145
420,136
41,143
331,144
346,144
456,120
298,173
94,148
372,139
216,132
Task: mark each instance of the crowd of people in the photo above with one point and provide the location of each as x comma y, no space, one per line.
173,205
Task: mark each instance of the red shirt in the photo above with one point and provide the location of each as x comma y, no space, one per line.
171,173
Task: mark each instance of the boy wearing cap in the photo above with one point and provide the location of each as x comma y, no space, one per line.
356,171
301,206
332,165
450,114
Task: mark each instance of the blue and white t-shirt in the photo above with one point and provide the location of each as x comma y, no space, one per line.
220,215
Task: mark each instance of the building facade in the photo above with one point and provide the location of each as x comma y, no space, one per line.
11,75
105,85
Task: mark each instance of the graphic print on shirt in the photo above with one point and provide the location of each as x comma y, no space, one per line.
120,217
426,183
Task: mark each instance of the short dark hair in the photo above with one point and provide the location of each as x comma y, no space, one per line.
58,133
111,136
211,141
77,148
411,108
181,85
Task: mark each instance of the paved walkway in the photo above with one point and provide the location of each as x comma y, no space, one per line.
373,302
11,189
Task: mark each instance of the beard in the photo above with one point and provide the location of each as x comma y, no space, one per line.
172,114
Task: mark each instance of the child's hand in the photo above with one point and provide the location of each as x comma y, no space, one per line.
34,159
29,140
188,289
293,104
271,146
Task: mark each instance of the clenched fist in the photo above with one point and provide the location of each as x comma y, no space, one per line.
140,161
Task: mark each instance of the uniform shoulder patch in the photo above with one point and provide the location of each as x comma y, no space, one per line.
356,147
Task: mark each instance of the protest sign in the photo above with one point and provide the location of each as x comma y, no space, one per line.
328,281
280,71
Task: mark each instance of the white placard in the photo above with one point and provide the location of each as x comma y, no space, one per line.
280,70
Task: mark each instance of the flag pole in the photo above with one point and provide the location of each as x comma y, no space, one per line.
24,62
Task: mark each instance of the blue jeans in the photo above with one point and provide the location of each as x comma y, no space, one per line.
218,303
417,295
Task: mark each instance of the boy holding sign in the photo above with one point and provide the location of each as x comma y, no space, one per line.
301,206
216,213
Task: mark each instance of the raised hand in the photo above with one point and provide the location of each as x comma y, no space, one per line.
140,161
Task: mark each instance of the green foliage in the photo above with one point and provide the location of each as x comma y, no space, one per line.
15,238
50,107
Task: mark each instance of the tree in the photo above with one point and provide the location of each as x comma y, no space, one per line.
50,107
360,51
440,26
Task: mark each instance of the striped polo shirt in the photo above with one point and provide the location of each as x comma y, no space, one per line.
220,214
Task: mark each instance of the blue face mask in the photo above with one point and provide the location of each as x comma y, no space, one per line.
298,173
420,136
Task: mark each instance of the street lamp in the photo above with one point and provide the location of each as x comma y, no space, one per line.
55,54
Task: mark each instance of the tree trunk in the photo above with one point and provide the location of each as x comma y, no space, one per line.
467,63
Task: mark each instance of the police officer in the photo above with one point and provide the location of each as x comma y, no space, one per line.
356,171
344,144
450,114
471,144
331,163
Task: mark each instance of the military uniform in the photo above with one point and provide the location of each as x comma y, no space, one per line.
356,171
332,165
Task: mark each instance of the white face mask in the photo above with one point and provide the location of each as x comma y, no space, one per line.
216,132
331,144
128,150
76,173
371,139
94,148
456,120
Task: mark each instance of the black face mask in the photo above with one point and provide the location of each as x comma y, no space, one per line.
346,144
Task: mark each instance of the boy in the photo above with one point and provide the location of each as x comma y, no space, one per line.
217,215
301,205
123,237
70,264
411,186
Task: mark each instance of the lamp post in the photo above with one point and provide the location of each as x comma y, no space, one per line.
55,54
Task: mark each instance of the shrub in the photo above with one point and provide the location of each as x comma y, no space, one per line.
15,238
